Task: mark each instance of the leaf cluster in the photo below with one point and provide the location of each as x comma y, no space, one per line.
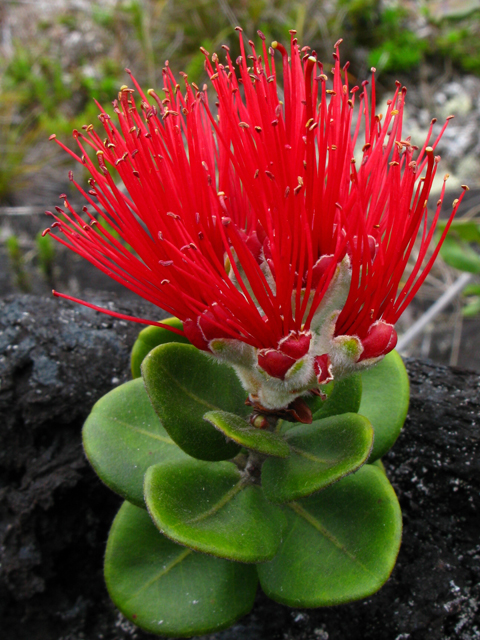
213,504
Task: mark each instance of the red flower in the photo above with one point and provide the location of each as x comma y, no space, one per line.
238,218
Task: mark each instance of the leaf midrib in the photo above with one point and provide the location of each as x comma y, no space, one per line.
144,432
224,500
310,456
316,524
163,572
188,393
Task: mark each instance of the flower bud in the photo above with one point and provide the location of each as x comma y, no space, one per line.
275,363
380,340
296,344
319,269
323,368
211,325
194,335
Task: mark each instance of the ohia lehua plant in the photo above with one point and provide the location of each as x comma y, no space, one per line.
275,226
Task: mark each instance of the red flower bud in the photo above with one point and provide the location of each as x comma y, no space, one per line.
319,268
295,345
380,340
207,327
323,369
211,324
194,335
372,247
274,362
253,243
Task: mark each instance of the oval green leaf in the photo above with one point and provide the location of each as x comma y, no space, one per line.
215,509
344,398
123,436
241,432
341,544
167,589
321,453
152,337
379,464
183,384
460,255
385,398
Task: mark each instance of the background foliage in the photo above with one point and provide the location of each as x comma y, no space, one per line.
49,76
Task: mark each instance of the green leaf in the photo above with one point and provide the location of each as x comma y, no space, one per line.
321,453
183,384
472,309
170,590
379,464
460,255
241,432
467,230
316,402
385,397
341,544
152,337
214,508
472,289
344,398
123,436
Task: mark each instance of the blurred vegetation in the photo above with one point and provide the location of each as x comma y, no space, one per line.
45,248
50,76
460,250
16,260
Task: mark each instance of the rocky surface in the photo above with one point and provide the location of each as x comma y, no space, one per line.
459,147
56,360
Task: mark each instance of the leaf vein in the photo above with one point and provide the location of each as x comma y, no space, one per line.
187,392
221,503
144,432
314,522
309,456
162,573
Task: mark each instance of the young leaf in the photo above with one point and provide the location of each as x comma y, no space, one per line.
213,508
170,590
123,436
344,398
385,397
341,544
152,337
321,453
460,255
183,384
241,432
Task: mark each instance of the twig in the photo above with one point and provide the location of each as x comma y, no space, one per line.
434,310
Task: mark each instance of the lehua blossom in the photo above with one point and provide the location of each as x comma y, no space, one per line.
276,224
